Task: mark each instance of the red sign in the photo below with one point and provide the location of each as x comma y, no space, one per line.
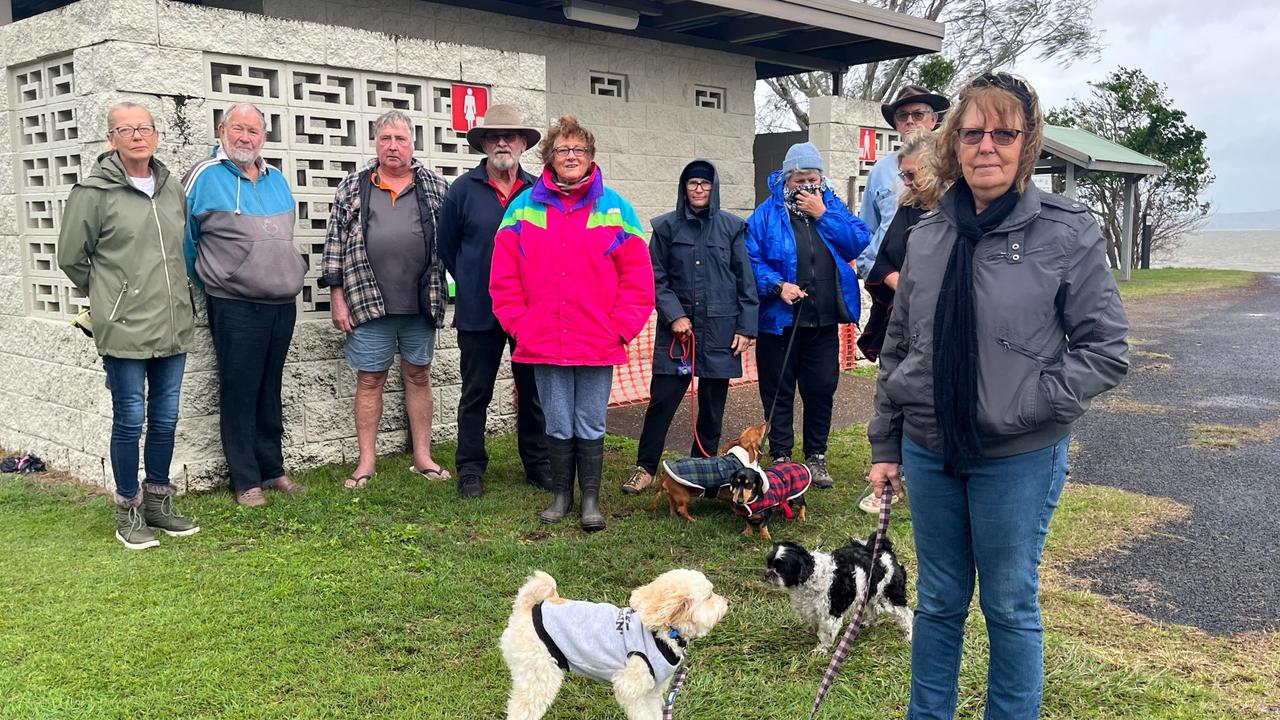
866,144
470,103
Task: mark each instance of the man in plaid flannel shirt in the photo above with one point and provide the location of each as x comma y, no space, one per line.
387,285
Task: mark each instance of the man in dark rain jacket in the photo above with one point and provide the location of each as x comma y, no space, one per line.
708,309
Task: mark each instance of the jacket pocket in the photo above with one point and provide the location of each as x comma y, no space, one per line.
272,270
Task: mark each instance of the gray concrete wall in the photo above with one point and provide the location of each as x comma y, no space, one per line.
645,140
64,68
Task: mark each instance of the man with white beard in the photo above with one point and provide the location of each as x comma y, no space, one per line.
239,249
464,239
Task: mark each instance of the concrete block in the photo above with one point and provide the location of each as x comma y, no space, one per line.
317,380
12,300
194,27
136,67
445,407
284,39
200,356
4,78
532,70
10,255
486,66
79,25
8,215
347,47
425,58
200,394
7,170
295,432
446,367
316,340
198,438
334,419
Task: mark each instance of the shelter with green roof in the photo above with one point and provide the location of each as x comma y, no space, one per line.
1073,153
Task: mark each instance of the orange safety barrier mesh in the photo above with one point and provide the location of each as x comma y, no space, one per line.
631,381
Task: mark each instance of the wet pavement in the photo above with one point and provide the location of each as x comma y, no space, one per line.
1205,360
1198,359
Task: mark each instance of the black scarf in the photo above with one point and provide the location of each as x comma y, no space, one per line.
955,337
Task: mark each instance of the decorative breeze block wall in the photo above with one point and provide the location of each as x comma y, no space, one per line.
321,88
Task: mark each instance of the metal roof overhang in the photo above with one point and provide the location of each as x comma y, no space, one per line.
1090,152
784,36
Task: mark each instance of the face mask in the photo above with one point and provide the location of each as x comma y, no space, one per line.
789,195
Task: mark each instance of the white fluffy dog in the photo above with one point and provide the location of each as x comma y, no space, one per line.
636,648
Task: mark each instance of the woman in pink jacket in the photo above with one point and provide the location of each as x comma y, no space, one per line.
572,283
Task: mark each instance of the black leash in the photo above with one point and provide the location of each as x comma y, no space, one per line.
795,322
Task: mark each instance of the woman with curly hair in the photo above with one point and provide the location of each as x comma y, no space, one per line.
572,283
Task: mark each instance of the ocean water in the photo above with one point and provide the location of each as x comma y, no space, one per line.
1256,250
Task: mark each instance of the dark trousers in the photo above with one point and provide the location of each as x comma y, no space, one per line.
251,341
665,394
481,356
814,365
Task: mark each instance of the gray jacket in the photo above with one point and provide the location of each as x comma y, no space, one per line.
1051,329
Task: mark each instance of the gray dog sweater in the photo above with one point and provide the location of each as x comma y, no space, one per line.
597,639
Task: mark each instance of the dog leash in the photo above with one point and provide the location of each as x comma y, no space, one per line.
842,651
782,374
689,351
669,708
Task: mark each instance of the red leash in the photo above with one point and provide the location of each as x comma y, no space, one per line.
689,351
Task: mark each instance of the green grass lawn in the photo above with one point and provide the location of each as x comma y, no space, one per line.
388,603
1162,281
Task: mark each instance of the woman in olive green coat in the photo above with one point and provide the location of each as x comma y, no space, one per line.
121,244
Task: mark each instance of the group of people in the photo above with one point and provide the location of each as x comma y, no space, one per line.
995,320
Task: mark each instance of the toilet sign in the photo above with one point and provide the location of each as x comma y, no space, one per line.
867,144
470,103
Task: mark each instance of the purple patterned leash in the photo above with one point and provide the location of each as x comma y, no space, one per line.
669,709
842,651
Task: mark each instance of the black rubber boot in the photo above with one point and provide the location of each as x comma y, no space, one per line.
590,466
562,468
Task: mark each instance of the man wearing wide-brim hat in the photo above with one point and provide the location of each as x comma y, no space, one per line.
915,107
468,222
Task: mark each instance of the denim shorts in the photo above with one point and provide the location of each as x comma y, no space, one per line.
372,346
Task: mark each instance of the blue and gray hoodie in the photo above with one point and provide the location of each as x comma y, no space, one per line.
239,242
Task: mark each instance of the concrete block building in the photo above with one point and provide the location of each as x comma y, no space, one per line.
660,82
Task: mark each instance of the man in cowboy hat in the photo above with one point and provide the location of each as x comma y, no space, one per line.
468,222
915,107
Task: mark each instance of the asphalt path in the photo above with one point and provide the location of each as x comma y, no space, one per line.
1198,359
1219,569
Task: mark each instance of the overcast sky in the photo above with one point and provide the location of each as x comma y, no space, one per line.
1220,61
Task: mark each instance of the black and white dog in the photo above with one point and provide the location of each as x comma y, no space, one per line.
824,588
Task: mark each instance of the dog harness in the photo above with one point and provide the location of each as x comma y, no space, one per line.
597,639
708,475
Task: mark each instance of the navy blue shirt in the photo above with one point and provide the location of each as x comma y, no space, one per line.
468,221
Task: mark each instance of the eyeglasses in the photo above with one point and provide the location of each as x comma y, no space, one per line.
564,152
128,131
505,136
698,185
908,176
917,115
1000,136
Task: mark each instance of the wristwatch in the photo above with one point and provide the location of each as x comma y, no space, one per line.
777,287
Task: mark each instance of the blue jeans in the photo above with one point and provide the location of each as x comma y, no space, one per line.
126,379
575,399
993,519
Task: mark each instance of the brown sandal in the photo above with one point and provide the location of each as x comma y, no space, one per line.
355,482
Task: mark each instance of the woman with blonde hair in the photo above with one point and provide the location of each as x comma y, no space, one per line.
1006,323
572,283
921,195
